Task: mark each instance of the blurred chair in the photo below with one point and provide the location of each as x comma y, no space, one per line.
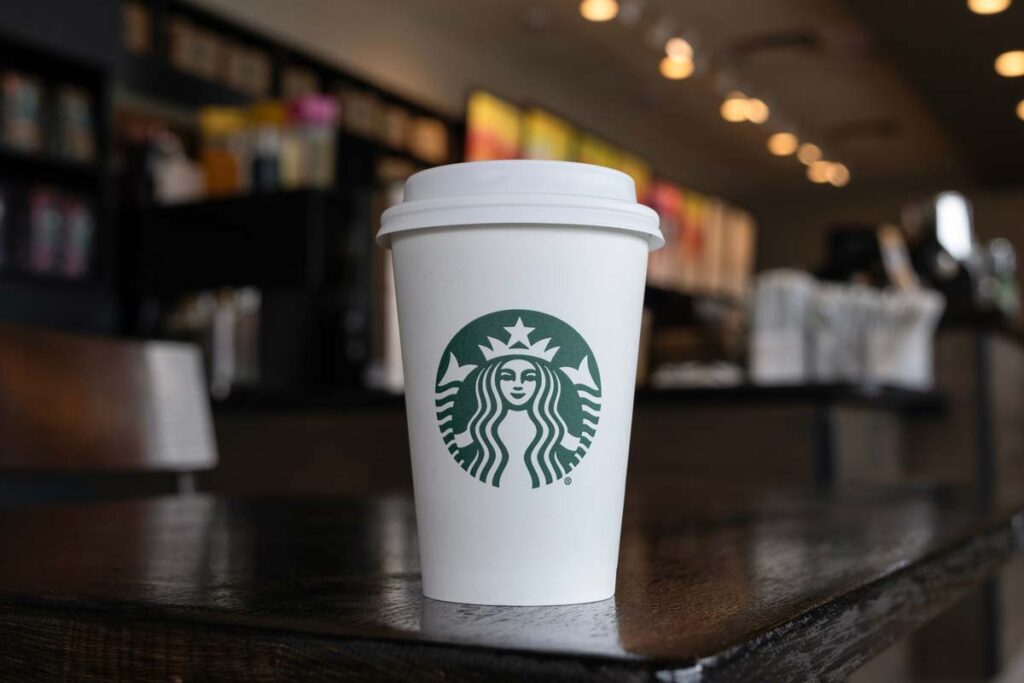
87,418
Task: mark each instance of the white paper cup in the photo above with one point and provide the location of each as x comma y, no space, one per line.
520,291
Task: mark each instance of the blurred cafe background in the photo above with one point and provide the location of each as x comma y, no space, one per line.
840,185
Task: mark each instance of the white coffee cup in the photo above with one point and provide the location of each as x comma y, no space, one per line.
520,291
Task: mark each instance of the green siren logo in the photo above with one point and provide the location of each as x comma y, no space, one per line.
518,409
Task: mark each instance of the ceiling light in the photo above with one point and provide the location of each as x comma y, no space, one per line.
734,108
818,171
678,48
987,6
1010,64
782,144
808,153
838,174
676,69
757,110
599,10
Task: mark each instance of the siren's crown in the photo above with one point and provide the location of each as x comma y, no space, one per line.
518,344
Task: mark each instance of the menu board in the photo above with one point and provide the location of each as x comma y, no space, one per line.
709,245
594,150
492,128
639,171
547,137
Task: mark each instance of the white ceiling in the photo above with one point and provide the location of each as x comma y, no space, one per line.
604,77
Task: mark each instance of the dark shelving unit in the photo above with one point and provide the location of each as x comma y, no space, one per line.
89,303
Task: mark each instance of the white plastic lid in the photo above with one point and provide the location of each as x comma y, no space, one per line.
518,192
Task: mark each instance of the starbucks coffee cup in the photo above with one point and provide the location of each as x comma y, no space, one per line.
520,291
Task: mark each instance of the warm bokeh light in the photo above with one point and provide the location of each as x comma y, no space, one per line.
838,174
676,69
1020,110
808,153
987,6
734,108
678,48
599,10
782,144
1010,64
818,172
757,110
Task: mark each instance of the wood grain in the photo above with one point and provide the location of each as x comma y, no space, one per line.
714,584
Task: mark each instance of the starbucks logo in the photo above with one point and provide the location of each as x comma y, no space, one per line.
511,408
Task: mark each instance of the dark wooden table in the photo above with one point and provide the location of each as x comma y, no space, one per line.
713,585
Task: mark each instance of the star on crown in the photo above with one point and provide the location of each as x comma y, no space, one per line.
518,344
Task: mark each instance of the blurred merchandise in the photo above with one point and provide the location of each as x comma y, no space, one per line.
224,154
781,307
266,120
176,178
136,27
362,111
21,111
314,122
428,140
45,226
297,81
79,235
226,325
397,125
805,331
247,69
194,49
75,137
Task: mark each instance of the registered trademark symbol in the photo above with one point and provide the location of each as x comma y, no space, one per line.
568,481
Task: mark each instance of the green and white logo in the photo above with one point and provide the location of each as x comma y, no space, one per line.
511,408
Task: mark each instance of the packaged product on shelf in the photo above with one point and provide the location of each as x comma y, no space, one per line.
194,49
176,178
266,120
223,156
75,137
247,69
45,227
428,140
396,124
297,81
136,27
314,119
363,111
79,234
21,111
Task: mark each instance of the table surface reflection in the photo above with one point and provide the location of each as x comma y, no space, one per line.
713,583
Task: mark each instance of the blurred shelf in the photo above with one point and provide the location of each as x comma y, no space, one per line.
31,168
151,76
59,282
80,306
277,239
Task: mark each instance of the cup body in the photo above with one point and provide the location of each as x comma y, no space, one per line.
519,345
